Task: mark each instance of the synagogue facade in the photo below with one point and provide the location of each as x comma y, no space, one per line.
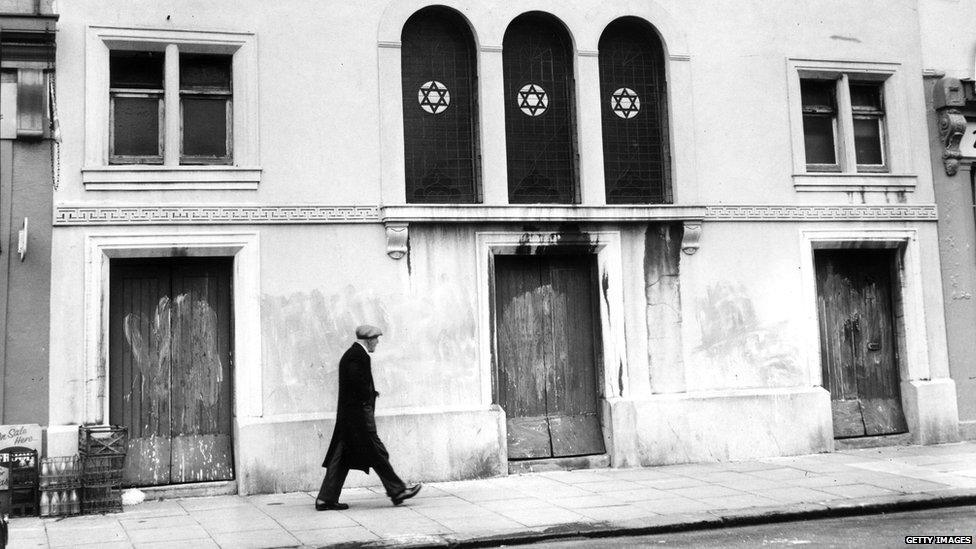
604,234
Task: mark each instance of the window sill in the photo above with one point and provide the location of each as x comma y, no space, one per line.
879,182
170,178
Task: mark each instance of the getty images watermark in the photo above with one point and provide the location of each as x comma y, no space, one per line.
939,540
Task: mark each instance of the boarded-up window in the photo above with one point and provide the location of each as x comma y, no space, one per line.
540,126
439,81
633,95
205,108
136,96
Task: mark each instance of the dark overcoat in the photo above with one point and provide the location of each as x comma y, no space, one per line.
355,422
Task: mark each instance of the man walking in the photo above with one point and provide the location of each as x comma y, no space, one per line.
355,444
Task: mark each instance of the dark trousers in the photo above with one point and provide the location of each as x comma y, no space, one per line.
335,474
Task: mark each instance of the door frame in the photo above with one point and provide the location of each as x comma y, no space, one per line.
243,247
612,373
906,294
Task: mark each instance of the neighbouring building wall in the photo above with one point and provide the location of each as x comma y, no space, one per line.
949,52
26,159
28,281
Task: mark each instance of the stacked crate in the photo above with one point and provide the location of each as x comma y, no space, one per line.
19,495
60,485
102,451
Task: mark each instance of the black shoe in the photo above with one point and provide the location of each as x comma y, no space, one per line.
326,506
407,493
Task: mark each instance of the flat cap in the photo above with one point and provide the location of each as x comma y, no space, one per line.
367,331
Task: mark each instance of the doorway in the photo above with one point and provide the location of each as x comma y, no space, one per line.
858,341
170,370
547,350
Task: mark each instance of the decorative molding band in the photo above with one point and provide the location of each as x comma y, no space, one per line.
680,57
864,212
387,44
587,53
213,215
491,49
402,215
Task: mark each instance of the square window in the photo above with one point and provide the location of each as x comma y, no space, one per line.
136,97
205,108
184,101
137,89
843,117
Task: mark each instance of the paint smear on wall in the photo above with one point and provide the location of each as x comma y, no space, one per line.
741,350
188,326
426,357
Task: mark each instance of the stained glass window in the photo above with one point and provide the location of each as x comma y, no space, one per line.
540,124
636,156
439,77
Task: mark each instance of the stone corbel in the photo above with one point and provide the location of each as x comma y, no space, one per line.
397,237
952,126
948,96
690,237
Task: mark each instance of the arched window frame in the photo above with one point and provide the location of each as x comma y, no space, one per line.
634,113
534,113
440,108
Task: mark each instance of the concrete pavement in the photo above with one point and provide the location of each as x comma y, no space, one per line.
593,502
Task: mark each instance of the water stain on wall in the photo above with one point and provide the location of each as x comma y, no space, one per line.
742,350
426,357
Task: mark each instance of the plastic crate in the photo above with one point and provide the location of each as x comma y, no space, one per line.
102,440
59,503
59,473
21,502
22,467
101,500
103,470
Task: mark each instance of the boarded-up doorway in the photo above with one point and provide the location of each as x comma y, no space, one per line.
858,343
547,336
170,368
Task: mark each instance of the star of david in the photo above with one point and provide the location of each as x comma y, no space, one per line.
625,103
434,97
533,100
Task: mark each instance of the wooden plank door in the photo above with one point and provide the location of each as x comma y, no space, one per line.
857,345
547,349
139,368
170,369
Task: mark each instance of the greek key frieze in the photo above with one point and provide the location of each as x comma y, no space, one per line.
923,212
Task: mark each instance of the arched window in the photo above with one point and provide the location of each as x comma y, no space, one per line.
636,157
540,124
439,77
